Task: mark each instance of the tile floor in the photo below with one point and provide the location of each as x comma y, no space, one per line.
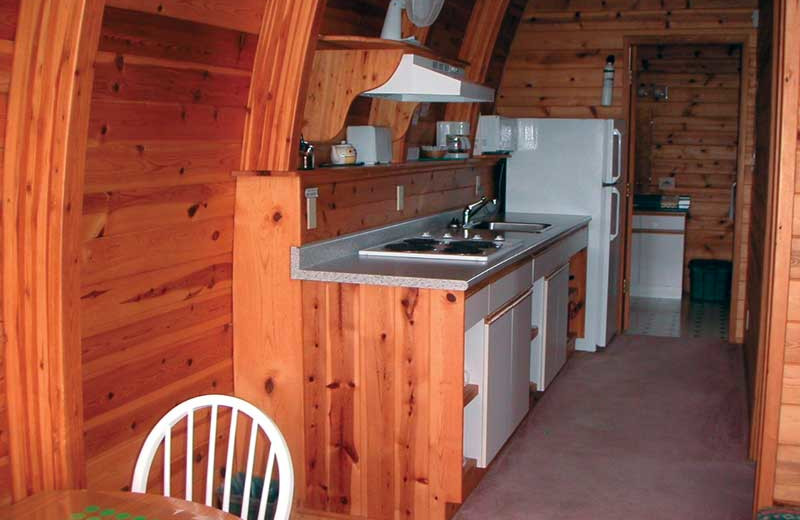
678,318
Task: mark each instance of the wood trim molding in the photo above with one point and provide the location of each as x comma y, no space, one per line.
777,256
283,62
47,129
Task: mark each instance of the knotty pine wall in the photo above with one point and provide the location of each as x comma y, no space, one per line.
167,119
9,10
787,471
692,137
555,65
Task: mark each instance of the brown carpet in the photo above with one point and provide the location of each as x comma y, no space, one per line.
651,428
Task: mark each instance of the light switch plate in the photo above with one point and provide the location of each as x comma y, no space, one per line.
311,207
666,183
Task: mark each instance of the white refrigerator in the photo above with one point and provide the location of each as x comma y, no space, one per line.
575,167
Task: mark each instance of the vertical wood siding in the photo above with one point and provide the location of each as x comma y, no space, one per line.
787,471
167,119
8,24
555,66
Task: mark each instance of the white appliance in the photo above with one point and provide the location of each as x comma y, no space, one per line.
575,166
422,13
445,128
373,143
422,79
496,134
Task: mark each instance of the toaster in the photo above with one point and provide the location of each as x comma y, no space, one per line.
373,143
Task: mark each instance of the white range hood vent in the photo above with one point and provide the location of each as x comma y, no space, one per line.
422,79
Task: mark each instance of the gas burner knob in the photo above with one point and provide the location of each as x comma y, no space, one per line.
499,238
476,236
447,235
426,234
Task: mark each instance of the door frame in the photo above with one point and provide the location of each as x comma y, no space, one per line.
630,43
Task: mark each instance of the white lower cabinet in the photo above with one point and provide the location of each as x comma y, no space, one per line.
497,359
556,318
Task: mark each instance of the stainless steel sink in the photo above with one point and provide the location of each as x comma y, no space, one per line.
525,227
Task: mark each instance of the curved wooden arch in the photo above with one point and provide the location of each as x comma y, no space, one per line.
48,115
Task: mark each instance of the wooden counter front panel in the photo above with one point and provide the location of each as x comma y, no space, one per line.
358,204
383,372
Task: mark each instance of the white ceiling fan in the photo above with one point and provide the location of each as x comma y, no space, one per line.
422,13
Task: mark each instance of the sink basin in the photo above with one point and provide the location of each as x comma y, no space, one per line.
525,227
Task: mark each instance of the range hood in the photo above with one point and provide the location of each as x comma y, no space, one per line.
422,79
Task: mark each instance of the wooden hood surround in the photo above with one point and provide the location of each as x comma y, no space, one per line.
78,75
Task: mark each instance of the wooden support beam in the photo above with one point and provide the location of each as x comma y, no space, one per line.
477,48
282,68
48,118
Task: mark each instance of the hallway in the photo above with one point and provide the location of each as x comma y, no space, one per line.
651,428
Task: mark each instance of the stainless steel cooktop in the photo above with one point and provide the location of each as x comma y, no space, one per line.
467,245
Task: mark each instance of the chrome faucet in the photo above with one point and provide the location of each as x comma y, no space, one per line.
473,208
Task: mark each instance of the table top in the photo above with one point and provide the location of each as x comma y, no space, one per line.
103,505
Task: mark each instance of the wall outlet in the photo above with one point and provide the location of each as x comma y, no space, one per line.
666,183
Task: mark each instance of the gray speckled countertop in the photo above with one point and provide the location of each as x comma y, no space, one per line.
338,260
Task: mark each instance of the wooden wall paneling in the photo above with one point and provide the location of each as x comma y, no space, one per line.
668,152
337,78
282,69
346,206
169,102
776,428
48,114
268,360
477,49
9,11
161,37
242,16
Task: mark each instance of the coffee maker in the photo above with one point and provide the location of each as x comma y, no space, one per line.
453,136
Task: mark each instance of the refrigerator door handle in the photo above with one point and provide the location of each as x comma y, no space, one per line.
615,234
615,176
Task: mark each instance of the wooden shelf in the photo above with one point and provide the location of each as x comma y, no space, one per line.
345,173
364,43
470,393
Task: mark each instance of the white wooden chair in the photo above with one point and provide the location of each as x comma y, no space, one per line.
161,434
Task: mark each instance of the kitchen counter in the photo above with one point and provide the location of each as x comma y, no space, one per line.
338,260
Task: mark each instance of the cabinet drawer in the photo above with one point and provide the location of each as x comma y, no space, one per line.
509,286
656,222
558,254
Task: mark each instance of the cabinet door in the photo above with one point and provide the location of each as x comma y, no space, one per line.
497,397
556,322
521,360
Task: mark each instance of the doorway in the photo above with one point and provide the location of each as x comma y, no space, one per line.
685,155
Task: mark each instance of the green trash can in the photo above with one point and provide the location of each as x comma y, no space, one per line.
710,280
